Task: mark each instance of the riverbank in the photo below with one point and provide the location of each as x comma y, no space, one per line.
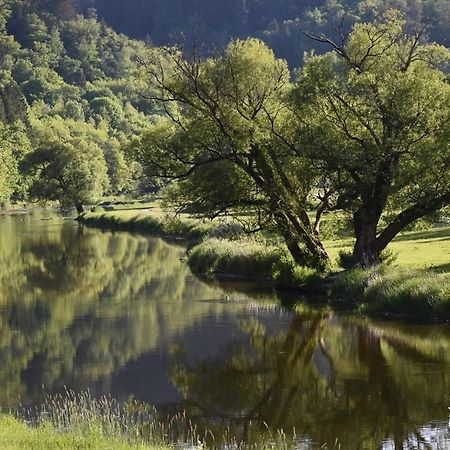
416,286
15,434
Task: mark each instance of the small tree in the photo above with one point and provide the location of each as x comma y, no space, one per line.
64,167
378,129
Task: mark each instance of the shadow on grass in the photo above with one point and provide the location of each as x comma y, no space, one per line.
442,233
440,268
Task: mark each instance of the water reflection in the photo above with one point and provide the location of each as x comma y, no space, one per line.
121,314
76,304
328,377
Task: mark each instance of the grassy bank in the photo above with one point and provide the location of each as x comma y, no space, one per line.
80,421
15,434
417,285
251,260
396,292
149,220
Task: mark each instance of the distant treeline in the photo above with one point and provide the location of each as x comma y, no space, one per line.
277,22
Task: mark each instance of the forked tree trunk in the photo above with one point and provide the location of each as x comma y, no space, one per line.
305,247
366,252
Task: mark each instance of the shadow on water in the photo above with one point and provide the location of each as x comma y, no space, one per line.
122,314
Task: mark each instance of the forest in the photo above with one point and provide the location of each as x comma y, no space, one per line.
277,22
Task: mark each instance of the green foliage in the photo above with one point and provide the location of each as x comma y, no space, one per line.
277,22
377,128
228,139
51,64
289,275
66,166
14,145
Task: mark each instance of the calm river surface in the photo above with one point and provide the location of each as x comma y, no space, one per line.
121,314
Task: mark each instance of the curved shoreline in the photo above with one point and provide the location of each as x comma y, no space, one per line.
417,296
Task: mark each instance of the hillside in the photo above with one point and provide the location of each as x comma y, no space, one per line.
277,22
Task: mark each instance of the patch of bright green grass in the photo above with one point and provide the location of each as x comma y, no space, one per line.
416,249
17,435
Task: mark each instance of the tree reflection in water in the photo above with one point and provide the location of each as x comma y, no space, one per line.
327,377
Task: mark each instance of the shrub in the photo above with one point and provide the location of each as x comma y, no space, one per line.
288,274
347,261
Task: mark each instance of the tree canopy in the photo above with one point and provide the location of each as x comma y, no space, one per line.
360,131
377,130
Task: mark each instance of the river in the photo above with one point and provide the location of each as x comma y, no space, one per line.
121,314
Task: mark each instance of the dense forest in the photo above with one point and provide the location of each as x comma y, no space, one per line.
68,104
276,22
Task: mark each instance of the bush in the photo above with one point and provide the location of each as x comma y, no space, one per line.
347,261
288,274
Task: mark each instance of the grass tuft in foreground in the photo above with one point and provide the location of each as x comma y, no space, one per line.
78,421
16,434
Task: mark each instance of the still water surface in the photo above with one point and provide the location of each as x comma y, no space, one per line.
121,314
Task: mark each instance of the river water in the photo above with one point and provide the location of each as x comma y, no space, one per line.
121,314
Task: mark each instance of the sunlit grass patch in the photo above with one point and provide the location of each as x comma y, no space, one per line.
252,260
428,249
15,434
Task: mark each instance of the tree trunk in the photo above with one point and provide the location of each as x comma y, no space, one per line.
313,254
366,252
79,207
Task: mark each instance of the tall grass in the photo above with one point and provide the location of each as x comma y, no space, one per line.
250,260
80,421
397,292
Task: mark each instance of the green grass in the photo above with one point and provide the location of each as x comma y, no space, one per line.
250,260
413,293
415,250
15,434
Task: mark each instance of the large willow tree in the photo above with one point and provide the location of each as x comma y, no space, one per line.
365,130
378,116
219,140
